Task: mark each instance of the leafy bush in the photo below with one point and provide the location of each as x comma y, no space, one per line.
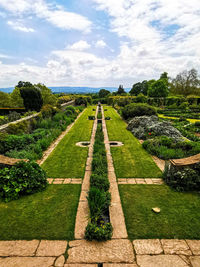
21,179
99,233
18,128
48,111
100,182
183,178
133,110
197,123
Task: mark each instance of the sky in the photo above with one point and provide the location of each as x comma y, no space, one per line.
97,42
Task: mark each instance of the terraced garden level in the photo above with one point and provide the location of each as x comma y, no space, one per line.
130,160
46,215
179,215
68,160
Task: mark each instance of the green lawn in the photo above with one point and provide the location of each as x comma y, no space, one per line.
130,160
68,160
179,216
46,215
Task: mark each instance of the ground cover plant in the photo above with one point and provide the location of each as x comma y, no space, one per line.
179,216
29,139
45,215
99,227
166,148
130,160
21,179
68,160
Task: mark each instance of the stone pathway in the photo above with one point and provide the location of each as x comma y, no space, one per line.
113,253
57,141
83,209
64,181
149,181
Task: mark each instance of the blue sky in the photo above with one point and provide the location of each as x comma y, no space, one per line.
97,42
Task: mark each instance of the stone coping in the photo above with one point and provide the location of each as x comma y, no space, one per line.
149,181
64,180
115,253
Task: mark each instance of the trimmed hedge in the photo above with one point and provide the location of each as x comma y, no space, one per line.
133,110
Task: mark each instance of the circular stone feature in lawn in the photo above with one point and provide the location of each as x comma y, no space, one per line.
83,144
116,143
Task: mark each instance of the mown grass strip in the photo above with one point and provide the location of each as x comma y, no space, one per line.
46,215
179,216
68,160
130,160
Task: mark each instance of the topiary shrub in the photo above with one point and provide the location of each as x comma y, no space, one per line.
136,109
183,178
21,179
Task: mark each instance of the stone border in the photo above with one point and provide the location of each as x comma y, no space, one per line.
116,213
64,180
81,144
118,143
149,181
82,215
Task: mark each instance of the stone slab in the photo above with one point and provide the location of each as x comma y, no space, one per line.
120,265
131,181
51,248
76,181
194,246
67,181
80,265
195,261
81,219
147,246
50,180
160,261
86,181
115,251
18,248
175,246
58,181
83,196
60,261
148,181
140,181
27,261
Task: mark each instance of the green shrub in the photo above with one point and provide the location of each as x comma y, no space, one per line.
21,179
183,178
133,110
197,123
100,182
70,108
18,128
91,117
99,233
47,111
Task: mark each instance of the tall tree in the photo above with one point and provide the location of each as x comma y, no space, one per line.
158,88
16,99
103,93
32,98
47,96
186,83
121,90
139,88
5,100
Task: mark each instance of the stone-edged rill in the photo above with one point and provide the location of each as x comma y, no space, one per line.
99,227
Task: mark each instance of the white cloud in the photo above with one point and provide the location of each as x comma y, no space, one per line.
5,56
79,46
100,44
56,15
18,26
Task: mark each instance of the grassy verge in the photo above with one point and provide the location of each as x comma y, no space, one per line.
46,215
176,118
179,216
130,160
68,160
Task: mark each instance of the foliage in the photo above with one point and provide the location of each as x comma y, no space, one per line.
21,179
47,95
32,98
16,99
47,111
133,110
103,93
121,90
158,88
183,178
139,88
5,100
186,83
98,232
165,148
18,128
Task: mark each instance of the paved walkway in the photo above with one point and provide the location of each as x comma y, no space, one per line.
64,181
149,181
113,253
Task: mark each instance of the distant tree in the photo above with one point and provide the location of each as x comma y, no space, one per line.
103,93
32,98
164,75
24,84
47,96
16,99
139,88
186,83
121,90
158,88
5,100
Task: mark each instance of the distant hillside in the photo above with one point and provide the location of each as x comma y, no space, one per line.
71,90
